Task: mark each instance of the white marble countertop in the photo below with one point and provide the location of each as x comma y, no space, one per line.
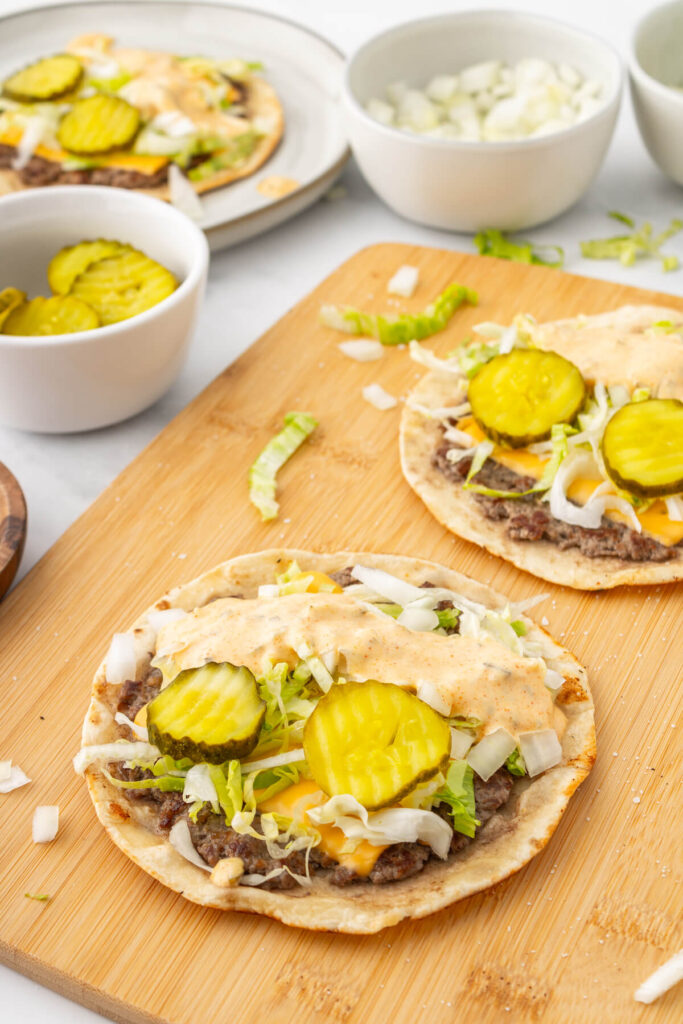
251,286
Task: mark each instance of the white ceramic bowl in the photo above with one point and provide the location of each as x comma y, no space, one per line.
70,382
656,71
467,186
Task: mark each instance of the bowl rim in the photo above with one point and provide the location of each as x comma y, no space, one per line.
500,146
198,266
636,69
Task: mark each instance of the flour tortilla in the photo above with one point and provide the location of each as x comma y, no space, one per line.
508,840
620,347
262,102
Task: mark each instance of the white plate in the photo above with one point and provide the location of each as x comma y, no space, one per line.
305,70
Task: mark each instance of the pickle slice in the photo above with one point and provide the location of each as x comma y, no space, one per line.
10,298
47,79
517,398
643,447
123,285
375,741
60,314
98,124
64,268
213,714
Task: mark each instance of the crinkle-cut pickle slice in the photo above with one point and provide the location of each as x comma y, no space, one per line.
98,124
10,298
123,285
375,741
213,714
59,314
46,79
643,447
68,263
517,398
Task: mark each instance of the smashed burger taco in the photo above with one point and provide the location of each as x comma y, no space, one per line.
558,446
133,118
337,741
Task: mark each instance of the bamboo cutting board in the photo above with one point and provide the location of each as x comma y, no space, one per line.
568,939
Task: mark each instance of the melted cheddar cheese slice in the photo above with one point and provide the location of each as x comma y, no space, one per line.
654,520
126,161
293,803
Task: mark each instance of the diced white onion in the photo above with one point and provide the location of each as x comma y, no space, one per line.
122,750
487,756
139,731
121,660
183,195
268,590
45,823
425,357
5,770
554,681
363,350
404,281
421,620
427,692
32,136
460,743
392,825
160,617
541,749
329,660
264,763
174,123
395,590
668,975
377,396
199,786
674,508
180,839
16,779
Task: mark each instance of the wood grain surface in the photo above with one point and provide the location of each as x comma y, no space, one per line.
568,939
13,521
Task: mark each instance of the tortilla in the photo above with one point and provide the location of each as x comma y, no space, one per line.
619,347
262,105
507,841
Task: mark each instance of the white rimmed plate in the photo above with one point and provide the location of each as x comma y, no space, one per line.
305,70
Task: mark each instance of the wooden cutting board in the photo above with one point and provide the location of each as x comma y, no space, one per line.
568,939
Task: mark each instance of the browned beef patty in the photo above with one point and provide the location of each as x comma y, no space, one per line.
529,519
39,171
135,693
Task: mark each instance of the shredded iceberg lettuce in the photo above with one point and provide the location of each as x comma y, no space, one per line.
290,697
628,248
458,793
262,483
515,763
406,327
494,243
558,441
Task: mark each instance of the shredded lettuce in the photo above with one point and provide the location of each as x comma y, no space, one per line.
231,153
458,793
290,697
628,248
42,897
448,618
558,440
494,243
515,763
399,330
262,485
666,327
519,627
166,783
110,84
465,722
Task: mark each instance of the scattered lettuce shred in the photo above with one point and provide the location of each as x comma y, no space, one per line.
665,327
519,627
472,357
494,243
463,722
640,243
262,483
515,762
448,618
42,897
406,327
458,793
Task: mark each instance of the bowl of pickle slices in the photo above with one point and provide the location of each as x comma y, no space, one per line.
125,276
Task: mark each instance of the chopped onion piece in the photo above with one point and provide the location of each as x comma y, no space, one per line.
16,779
5,770
264,763
395,590
668,975
121,661
200,786
173,123
268,590
392,825
162,616
674,508
421,620
404,281
553,680
183,195
139,731
377,396
329,660
541,749
487,756
45,823
180,839
427,692
460,743
363,350
122,750
34,129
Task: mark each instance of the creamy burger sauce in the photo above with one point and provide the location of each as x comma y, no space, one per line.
477,677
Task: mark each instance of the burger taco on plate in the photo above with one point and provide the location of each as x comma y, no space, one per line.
134,118
338,741
558,446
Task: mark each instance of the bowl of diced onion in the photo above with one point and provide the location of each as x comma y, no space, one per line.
482,119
